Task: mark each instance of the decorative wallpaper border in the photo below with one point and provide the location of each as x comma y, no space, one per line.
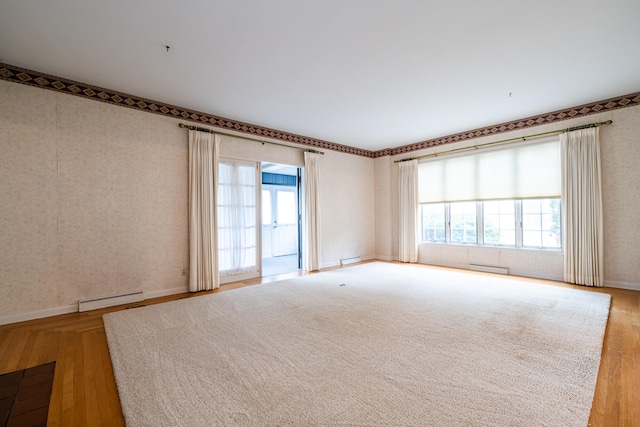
15,74
529,122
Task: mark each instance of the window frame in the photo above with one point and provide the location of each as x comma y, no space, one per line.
480,226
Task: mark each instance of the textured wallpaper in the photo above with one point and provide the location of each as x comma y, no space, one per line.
620,154
29,198
347,204
122,201
94,199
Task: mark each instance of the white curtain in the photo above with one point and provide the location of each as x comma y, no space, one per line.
408,191
236,218
311,223
582,207
203,179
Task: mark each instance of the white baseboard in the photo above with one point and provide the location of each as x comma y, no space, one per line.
536,276
337,263
622,285
384,258
444,264
55,311
38,314
607,283
489,268
110,301
351,260
165,292
330,264
511,272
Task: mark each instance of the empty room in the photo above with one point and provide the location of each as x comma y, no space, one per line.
319,213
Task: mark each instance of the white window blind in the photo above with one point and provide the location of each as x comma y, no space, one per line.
513,172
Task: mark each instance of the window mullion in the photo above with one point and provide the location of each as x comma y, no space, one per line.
518,223
447,220
480,223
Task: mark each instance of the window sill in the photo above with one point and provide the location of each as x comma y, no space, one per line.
473,245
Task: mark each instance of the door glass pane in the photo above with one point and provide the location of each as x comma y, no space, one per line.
286,208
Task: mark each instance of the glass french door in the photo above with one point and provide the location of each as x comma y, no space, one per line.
238,218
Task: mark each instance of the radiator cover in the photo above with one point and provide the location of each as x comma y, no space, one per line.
489,268
110,301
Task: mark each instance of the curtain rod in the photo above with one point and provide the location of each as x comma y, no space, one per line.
506,141
182,125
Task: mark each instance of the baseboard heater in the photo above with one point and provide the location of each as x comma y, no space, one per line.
489,268
103,302
352,260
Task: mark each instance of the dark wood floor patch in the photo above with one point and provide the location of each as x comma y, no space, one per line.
25,395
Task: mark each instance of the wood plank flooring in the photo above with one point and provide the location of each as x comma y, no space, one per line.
84,391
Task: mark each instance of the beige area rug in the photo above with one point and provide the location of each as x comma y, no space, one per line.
371,345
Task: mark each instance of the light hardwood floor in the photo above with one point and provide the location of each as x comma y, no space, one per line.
84,391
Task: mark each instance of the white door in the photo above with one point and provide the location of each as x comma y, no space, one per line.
285,232
279,220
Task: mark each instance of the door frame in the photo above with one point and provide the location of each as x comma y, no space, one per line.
300,205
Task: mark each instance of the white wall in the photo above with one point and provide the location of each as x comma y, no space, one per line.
348,208
385,201
620,152
94,201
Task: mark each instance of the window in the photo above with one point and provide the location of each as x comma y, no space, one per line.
541,223
433,220
532,223
463,222
502,196
499,222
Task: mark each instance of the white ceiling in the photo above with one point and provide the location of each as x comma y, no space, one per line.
370,74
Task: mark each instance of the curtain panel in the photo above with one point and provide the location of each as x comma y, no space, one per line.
203,236
408,191
582,207
236,223
311,217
